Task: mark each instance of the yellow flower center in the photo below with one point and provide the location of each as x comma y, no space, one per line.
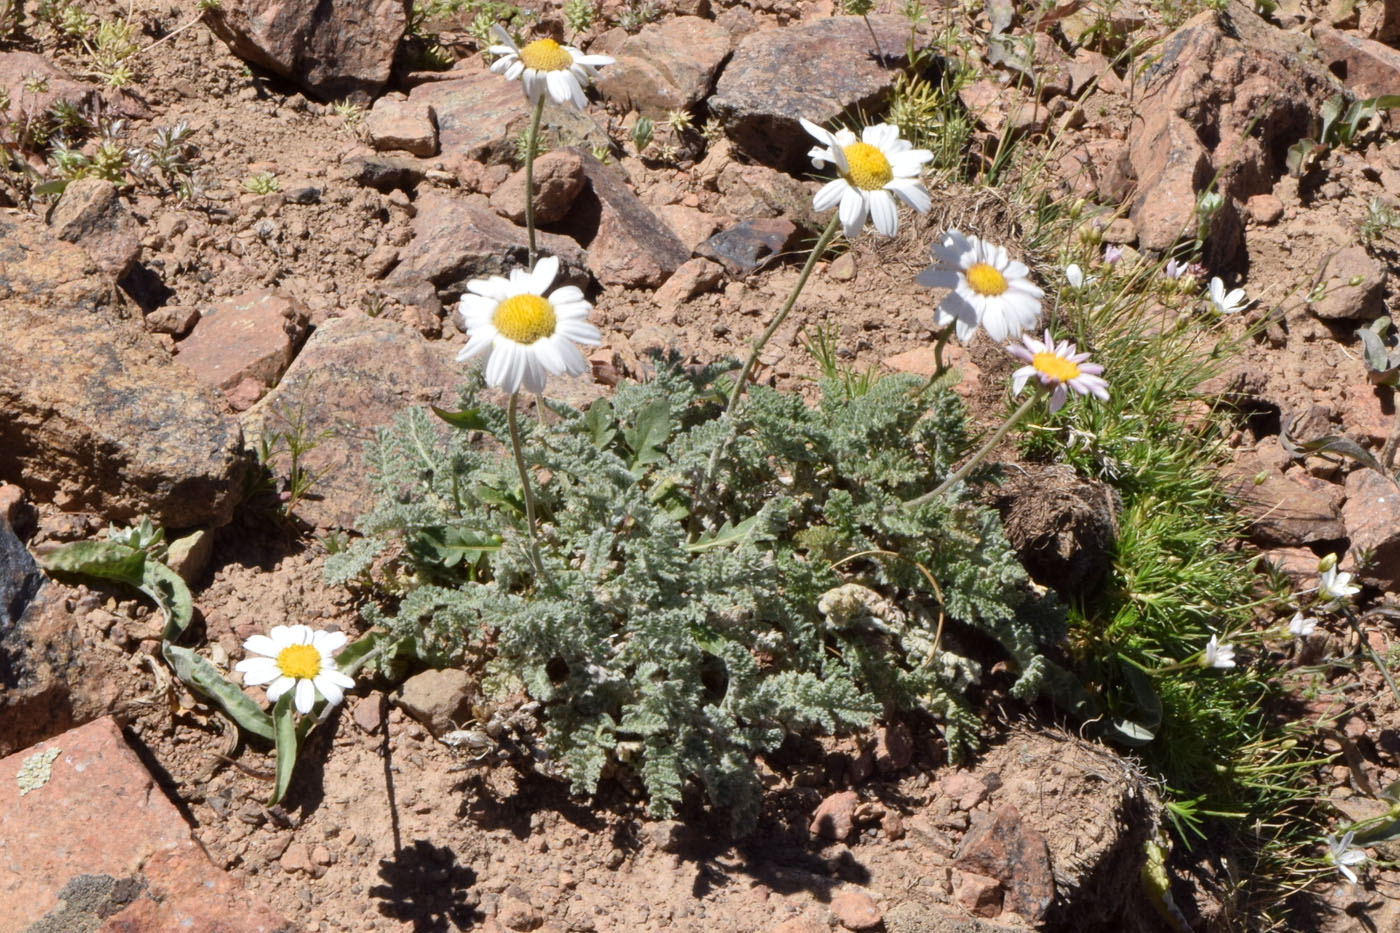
300,661
524,318
985,280
546,55
867,166
1056,367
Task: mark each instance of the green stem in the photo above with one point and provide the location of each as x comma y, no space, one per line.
532,142
978,457
879,53
822,243
525,484
938,367
1371,652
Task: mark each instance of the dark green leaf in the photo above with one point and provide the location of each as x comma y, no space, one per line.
648,436
106,559
170,593
284,719
202,677
600,423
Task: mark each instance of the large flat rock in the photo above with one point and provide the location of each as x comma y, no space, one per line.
87,839
93,415
355,375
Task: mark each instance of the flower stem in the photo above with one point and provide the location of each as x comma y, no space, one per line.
1371,652
532,142
938,367
822,243
978,457
525,484
879,53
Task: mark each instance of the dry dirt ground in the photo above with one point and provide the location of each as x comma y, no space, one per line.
387,828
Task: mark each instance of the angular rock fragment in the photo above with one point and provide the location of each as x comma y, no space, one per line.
558,179
90,215
627,244
456,240
667,66
335,49
1366,67
744,247
480,116
394,123
252,336
1008,849
817,70
353,376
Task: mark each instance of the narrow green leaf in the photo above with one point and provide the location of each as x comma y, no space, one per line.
468,419
353,655
284,718
203,678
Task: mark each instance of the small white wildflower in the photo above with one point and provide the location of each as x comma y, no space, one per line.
545,65
1058,367
296,656
1231,302
1301,625
1343,854
1218,654
1335,588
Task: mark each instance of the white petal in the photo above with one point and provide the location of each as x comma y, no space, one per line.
261,644
543,275
534,83
302,634
816,132
547,353
593,61
908,164
565,294
479,342
279,687
580,332
1019,378
852,212
498,366
305,696
513,69
938,277
830,194
883,212
532,374
329,643
574,363
258,671
911,193
504,36
331,691
559,89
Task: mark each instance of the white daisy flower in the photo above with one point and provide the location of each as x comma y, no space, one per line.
1218,655
872,171
989,288
1058,367
1335,588
1225,302
545,65
1343,854
296,656
1301,625
525,333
